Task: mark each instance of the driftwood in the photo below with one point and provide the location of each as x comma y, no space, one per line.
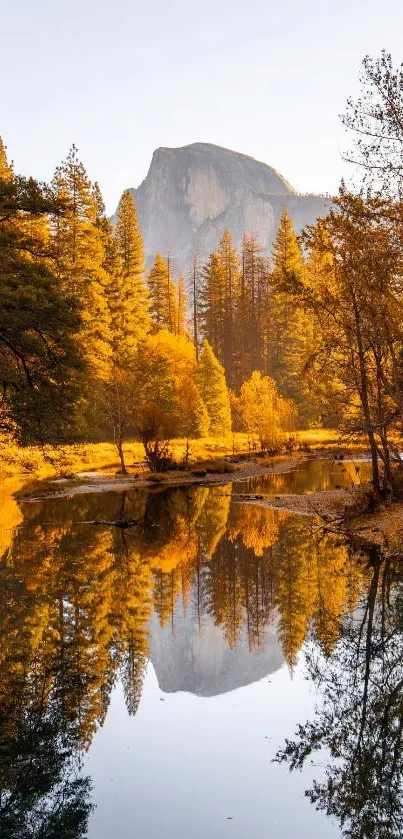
121,524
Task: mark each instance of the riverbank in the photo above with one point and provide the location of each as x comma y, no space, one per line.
34,462
211,475
338,509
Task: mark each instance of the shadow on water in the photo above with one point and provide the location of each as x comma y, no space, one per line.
83,606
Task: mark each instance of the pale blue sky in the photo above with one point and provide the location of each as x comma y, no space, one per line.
124,77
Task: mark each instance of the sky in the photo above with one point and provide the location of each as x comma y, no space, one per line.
122,78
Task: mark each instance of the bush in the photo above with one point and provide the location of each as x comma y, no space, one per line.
155,477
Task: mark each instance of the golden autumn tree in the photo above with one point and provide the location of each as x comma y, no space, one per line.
356,294
168,402
163,295
79,256
39,321
264,413
214,391
133,320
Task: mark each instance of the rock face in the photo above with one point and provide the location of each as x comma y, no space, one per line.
197,659
191,194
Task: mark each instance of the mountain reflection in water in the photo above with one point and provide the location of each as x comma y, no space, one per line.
216,595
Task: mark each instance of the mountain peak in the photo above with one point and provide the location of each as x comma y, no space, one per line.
263,176
193,193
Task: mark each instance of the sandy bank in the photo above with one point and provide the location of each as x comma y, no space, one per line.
383,529
330,504
92,481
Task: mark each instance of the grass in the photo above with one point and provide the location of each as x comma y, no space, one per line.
330,439
66,461
206,454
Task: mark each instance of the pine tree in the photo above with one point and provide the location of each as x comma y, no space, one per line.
39,354
252,306
162,291
132,320
181,306
290,328
212,304
194,295
214,392
229,264
6,169
220,290
79,256
112,265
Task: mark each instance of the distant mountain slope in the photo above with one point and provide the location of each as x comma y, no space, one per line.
191,194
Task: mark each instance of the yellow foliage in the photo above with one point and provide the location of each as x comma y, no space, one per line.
264,412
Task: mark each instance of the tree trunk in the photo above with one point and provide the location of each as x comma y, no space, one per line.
363,391
119,446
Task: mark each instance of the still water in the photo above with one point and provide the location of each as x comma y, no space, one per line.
150,676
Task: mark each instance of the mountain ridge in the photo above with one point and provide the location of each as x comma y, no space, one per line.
192,193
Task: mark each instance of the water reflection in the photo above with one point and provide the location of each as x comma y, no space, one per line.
360,723
217,595
310,476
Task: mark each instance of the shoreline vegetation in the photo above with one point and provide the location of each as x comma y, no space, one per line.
30,474
34,462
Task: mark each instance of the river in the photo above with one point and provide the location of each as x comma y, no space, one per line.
161,680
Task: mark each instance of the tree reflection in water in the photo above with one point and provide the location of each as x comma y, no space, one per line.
75,606
358,726
42,795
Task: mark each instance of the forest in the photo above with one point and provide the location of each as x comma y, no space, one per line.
96,346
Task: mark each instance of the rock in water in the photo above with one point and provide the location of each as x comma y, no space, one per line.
191,194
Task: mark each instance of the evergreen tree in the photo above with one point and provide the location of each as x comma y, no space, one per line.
39,355
220,290
290,328
214,392
229,272
212,304
181,306
132,318
112,265
163,305
79,254
194,295
252,307
6,169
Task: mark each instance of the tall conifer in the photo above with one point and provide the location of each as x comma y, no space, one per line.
133,319
181,306
162,291
79,259
214,392
289,329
